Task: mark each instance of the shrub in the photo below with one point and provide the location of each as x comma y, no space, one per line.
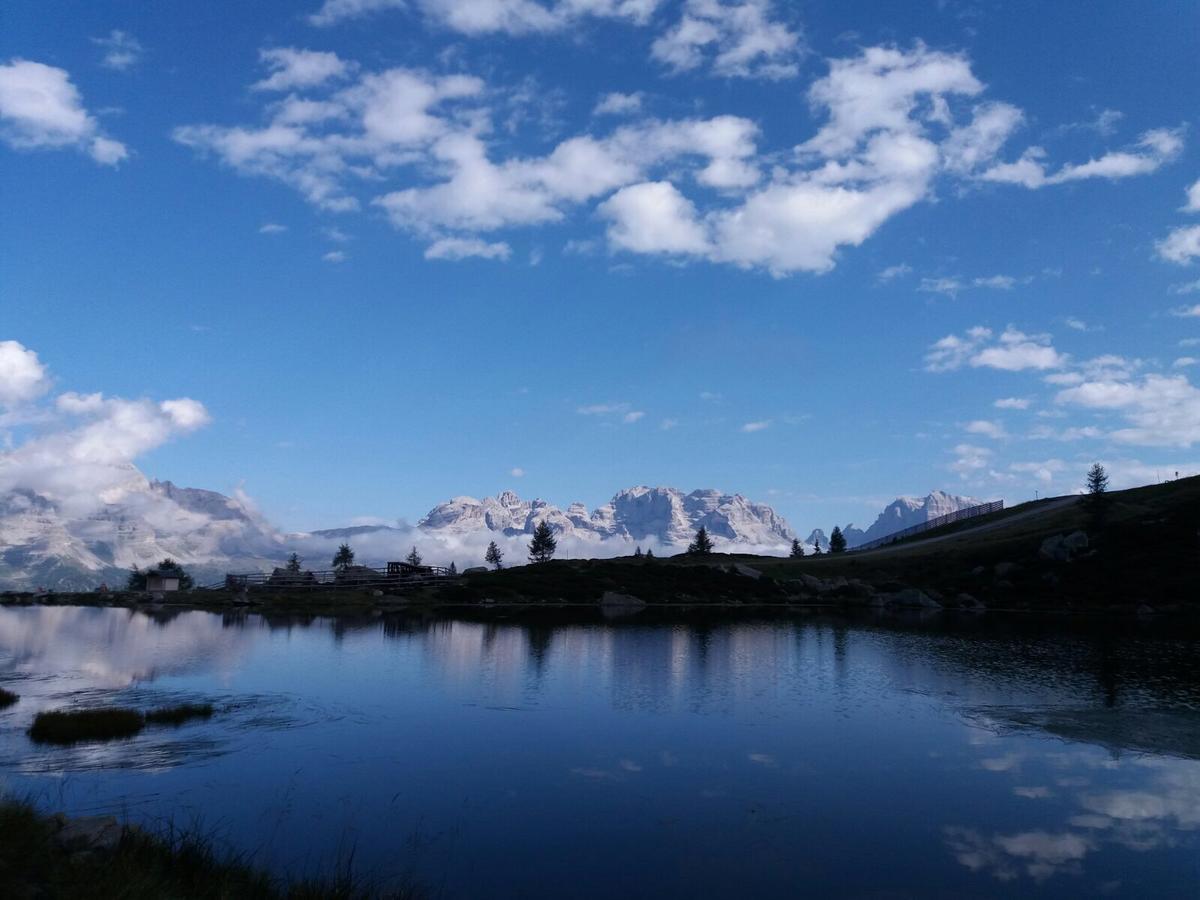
69,727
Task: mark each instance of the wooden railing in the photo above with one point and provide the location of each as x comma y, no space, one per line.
969,513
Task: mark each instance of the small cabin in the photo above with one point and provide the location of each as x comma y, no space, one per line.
161,580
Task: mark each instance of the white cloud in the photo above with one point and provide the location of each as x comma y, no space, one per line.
121,50
23,378
617,104
711,396
986,428
294,69
1043,471
272,228
1190,287
1159,410
995,282
82,454
335,256
1184,362
602,409
517,472
738,40
40,108
653,218
891,273
1193,198
1181,246
970,459
476,17
1013,351
465,248
632,416
1187,312
668,424
1012,403
1153,150
751,427
947,286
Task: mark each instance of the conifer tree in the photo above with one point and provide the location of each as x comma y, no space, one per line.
494,556
837,541
637,553
413,558
344,558
293,564
541,548
702,545
1097,480
649,553
453,570
797,549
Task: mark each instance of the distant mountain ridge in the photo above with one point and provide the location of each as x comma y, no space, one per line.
661,514
43,544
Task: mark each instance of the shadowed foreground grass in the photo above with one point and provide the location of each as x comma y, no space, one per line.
7,698
176,865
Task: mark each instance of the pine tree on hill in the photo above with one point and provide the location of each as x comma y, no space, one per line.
344,558
294,563
413,558
1097,480
637,553
797,549
541,548
702,545
837,541
453,570
494,556
649,554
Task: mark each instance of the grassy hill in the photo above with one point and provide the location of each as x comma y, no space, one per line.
1143,549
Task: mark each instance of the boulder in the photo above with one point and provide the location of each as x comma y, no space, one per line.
1063,547
815,584
90,833
476,570
747,571
911,597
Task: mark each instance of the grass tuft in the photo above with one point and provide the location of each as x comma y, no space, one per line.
177,715
70,727
7,698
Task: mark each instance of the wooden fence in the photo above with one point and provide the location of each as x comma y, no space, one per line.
969,513
391,578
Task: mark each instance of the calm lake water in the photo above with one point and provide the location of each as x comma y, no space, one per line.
697,756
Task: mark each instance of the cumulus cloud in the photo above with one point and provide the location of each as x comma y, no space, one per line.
83,451
426,150
293,69
23,378
465,248
41,109
1187,312
1153,150
617,104
891,273
986,428
970,459
272,228
751,427
122,50
1181,245
738,40
1193,198
1012,351
475,17
335,256
1159,410
1012,403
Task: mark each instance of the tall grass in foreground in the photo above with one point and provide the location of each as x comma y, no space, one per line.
7,698
176,864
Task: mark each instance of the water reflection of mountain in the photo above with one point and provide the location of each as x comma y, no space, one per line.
1163,732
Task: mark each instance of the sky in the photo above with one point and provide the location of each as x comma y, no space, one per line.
352,258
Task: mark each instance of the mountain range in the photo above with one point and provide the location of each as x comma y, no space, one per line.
44,543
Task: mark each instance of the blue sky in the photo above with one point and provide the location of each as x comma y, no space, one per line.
400,251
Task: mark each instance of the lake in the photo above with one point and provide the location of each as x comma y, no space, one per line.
569,756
